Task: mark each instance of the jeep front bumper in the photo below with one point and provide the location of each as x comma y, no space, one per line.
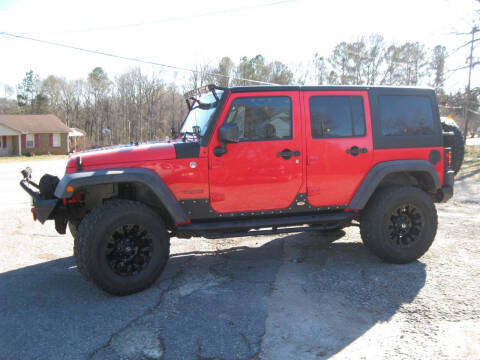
43,209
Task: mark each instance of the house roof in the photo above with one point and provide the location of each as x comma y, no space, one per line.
29,124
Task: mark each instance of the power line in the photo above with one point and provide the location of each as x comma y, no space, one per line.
461,68
380,57
167,20
460,47
129,58
472,33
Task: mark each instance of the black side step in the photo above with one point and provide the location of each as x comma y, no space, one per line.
273,222
273,231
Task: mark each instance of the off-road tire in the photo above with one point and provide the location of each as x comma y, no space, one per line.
96,230
73,227
376,223
456,143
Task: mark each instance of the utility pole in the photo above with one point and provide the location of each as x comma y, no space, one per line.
471,64
173,110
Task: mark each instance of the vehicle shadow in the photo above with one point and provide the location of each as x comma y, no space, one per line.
469,168
468,174
224,304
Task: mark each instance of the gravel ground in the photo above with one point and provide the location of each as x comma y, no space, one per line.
297,296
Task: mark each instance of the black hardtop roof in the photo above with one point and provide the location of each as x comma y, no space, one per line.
237,89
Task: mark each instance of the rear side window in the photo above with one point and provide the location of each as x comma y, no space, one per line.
337,116
262,118
403,115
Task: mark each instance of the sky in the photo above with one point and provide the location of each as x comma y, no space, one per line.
185,33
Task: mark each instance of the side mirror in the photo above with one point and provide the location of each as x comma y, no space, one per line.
228,133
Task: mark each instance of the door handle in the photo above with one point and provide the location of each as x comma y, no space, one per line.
287,153
355,150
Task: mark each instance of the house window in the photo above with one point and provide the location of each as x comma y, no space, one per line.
56,140
30,141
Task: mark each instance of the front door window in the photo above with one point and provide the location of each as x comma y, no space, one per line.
262,118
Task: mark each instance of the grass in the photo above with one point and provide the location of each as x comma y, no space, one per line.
469,169
471,163
31,158
472,152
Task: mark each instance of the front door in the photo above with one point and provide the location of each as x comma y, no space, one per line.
263,171
339,145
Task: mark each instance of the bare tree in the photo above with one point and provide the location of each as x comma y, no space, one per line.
137,107
7,91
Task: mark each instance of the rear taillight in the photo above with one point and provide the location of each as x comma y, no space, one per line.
448,153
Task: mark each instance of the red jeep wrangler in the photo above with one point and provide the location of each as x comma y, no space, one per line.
257,160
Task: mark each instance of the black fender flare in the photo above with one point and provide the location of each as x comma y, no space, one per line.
380,170
132,175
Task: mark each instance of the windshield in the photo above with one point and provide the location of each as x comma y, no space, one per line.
201,114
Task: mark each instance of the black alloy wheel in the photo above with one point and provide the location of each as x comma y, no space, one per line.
406,225
129,250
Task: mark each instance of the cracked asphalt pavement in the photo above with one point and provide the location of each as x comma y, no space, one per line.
301,296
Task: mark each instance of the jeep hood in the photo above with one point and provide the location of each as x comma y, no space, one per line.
112,157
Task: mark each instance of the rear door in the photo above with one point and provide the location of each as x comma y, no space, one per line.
339,144
263,171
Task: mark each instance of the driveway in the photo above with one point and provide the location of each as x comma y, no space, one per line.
279,297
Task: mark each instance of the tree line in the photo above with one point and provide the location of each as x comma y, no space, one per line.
135,107
130,107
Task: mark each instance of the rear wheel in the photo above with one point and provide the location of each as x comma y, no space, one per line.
123,247
399,223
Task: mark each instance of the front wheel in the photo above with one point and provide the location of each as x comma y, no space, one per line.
399,223
73,226
123,246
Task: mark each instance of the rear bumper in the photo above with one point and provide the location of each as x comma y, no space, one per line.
44,208
446,192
